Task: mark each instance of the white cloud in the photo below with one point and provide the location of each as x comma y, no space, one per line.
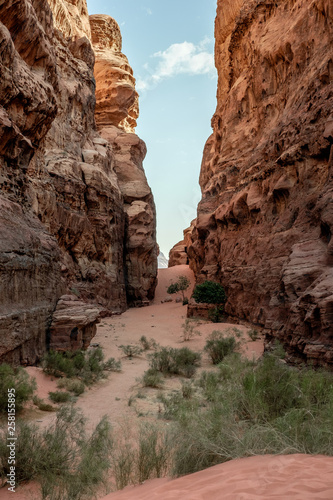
179,59
147,10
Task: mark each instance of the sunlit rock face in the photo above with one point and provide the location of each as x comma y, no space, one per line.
116,114
178,254
64,219
265,220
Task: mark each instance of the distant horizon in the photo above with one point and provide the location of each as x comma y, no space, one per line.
173,64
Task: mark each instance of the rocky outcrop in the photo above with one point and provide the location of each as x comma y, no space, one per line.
73,324
265,221
116,114
59,186
30,283
178,253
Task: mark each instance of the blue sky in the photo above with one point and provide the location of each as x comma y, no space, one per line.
170,47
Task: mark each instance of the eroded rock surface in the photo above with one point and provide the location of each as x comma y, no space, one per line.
178,253
73,324
116,113
265,221
59,186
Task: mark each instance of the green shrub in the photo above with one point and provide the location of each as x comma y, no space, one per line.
151,457
173,288
75,386
218,346
147,345
169,360
180,285
59,397
131,350
46,407
59,364
152,378
188,330
17,379
112,365
68,463
253,334
41,405
216,314
253,408
187,390
209,292
153,454
122,465
87,366
209,382
176,407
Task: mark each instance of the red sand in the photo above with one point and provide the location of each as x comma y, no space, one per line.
287,477
283,477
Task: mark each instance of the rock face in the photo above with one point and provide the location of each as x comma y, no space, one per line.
116,114
265,221
73,324
178,253
63,213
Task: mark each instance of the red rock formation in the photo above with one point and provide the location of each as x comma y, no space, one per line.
116,113
265,220
73,324
59,187
178,253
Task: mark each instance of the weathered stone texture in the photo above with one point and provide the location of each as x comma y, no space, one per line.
73,324
265,221
30,283
116,113
58,180
178,253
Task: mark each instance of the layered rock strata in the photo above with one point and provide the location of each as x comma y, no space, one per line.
73,324
63,214
116,113
265,221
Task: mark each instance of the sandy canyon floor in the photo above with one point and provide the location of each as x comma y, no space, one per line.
122,397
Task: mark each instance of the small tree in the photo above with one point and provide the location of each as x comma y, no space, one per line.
209,292
180,285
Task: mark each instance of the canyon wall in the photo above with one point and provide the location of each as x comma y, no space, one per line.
64,220
265,220
117,109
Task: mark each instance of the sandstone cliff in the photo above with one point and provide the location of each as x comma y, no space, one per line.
265,220
178,254
116,112
63,212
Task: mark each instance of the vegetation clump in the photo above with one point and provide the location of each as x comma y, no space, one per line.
252,407
209,292
88,367
180,285
67,463
147,345
253,334
131,350
188,330
218,346
17,379
216,315
59,397
75,386
152,378
172,361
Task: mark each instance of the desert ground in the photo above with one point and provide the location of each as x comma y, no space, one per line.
123,399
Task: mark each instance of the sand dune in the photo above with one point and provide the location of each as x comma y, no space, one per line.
287,477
